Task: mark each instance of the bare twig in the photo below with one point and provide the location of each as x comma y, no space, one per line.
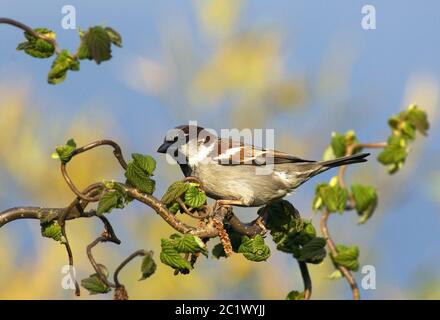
306,280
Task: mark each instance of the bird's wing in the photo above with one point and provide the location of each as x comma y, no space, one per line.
230,152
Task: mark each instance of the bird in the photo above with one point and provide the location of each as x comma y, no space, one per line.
227,171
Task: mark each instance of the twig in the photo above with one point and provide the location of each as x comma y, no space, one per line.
306,280
135,254
331,245
93,262
31,31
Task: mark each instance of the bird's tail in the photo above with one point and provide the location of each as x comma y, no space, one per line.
356,158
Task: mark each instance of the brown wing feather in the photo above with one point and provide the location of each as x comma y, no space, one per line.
230,152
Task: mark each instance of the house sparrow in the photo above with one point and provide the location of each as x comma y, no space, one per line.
227,168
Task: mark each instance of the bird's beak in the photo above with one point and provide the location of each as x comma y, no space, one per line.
164,147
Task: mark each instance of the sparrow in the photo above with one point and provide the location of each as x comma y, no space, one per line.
227,168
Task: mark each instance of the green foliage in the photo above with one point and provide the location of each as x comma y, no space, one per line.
293,234
139,172
365,199
96,43
295,295
254,249
36,47
339,143
62,63
347,257
64,153
173,248
404,127
194,198
94,284
235,238
52,230
114,197
331,196
174,191
148,266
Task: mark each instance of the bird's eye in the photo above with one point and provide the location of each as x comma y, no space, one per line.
207,139
176,153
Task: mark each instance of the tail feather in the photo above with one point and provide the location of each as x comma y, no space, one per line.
356,158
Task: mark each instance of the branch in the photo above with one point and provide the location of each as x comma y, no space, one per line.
331,245
31,31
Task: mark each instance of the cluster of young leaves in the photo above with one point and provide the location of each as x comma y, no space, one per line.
177,248
65,152
339,144
188,192
139,172
95,44
403,131
292,234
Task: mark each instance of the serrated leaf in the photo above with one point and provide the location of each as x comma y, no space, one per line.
171,257
36,47
110,200
366,201
148,266
95,45
347,257
52,230
174,208
313,251
145,162
62,63
139,178
334,198
295,295
115,37
189,244
254,249
174,191
194,198
94,285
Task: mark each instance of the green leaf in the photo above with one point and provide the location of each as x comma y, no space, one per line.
313,251
62,63
94,284
145,162
110,200
254,249
295,295
95,45
189,244
64,153
338,144
115,37
347,257
174,191
148,266
171,257
366,201
418,118
395,151
174,207
52,230
37,47
194,198
139,171
218,251
333,197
